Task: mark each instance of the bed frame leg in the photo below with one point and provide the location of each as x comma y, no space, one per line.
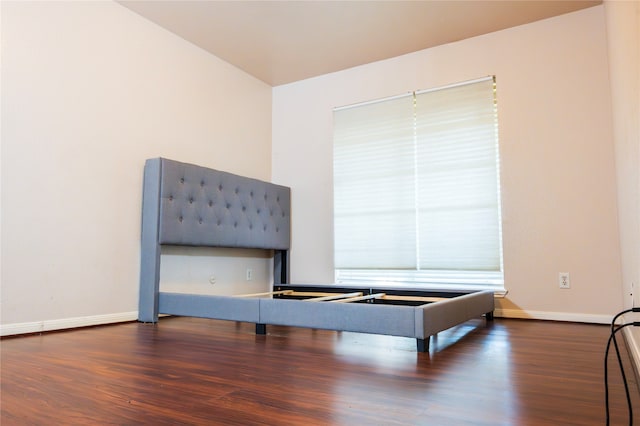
489,316
423,345
261,329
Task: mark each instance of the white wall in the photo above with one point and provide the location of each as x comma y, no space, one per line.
89,91
558,176
623,36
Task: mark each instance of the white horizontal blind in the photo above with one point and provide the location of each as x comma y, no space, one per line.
416,189
374,186
457,178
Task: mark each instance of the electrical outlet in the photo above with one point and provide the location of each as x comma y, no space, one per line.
563,280
249,274
212,279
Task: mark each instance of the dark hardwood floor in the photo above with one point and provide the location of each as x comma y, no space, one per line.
202,372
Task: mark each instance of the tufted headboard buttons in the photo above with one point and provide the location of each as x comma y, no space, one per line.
206,207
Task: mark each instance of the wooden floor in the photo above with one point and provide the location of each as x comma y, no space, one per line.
204,372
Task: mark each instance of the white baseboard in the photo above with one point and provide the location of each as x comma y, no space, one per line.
61,324
553,316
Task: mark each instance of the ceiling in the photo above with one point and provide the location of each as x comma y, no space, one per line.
280,42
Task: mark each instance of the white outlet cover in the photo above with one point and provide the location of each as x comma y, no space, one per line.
564,280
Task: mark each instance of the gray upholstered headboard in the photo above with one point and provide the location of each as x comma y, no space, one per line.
206,207
184,204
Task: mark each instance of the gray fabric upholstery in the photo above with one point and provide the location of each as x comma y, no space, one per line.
396,320
184,204
206,207
436,317
357,317
149,246
204,306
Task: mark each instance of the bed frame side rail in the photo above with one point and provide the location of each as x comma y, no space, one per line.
433,318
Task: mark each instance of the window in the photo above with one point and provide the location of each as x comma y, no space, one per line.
416,190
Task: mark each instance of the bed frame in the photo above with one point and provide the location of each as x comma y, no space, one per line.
189,205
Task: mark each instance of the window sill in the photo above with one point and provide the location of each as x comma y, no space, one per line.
424,280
